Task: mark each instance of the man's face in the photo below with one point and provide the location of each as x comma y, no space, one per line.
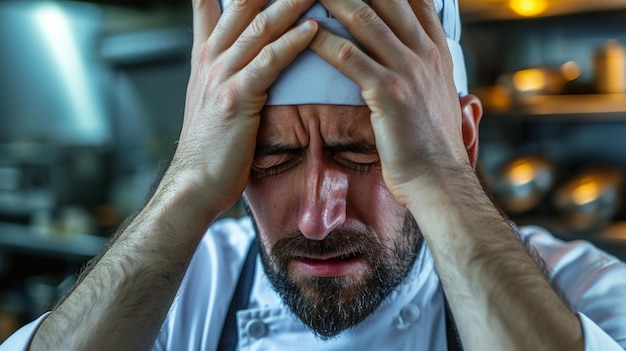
334,242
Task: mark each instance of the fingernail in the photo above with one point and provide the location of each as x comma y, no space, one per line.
305,27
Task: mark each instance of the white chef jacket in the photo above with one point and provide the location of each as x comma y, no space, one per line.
411,318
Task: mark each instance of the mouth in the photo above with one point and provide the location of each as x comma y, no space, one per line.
328,266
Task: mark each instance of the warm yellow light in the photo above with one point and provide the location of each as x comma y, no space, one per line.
585,192
522,172
529,80
528,8
570,70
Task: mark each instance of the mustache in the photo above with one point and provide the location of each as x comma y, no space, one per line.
338,243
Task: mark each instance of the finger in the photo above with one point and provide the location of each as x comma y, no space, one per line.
369,30
399,16
427,16
206,14
424,35
261,73
350,61
266,27
236,17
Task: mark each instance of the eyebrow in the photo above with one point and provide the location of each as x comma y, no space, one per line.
275,149
355,147
279,149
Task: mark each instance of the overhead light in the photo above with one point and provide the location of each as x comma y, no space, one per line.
528,8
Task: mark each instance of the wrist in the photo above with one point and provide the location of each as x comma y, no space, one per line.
452,209
452,185
181,203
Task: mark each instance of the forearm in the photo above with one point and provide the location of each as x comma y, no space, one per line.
499,296
122,301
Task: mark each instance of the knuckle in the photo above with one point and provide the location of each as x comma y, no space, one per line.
252,77
268,57
364,15
389,86
260,24
201,56
437,58
202,53
398,85
238,4
227,98
433,55
346,53
393,86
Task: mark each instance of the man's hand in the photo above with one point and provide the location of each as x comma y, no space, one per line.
407,82
123,296
235,59
498,296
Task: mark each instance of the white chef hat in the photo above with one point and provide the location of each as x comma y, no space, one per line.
311,80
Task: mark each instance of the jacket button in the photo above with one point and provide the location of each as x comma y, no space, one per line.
408,315
256,328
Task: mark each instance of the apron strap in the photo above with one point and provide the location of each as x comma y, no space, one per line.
452,334
241,297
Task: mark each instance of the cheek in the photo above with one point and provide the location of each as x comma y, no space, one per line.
373,204
272,203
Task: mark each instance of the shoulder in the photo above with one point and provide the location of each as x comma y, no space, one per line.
561,256
223,249
204,295
592,281
230,232
225,243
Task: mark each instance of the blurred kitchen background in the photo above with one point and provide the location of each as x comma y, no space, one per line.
92,96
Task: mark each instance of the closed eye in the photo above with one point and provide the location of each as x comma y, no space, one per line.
270,165
359,162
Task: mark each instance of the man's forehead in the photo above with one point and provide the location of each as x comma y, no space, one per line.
295,123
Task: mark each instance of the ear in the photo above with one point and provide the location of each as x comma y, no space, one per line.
471,111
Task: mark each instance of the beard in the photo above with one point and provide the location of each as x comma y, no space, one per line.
330,305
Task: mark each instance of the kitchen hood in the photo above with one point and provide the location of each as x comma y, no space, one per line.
52,86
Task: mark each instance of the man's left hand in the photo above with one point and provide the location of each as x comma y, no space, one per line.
406,79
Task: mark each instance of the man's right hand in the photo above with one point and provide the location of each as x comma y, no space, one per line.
123,295
236,57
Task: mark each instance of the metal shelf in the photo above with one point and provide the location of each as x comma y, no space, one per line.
482,11
579,106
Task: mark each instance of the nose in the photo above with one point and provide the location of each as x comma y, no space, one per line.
322,203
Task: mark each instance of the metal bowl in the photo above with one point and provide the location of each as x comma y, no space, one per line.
523,182
590,199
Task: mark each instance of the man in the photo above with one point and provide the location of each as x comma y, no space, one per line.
372,228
